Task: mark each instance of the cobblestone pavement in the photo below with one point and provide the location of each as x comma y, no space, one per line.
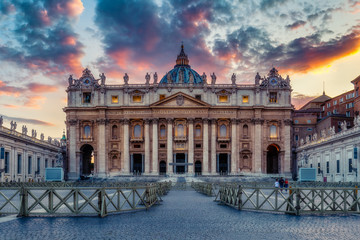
185,215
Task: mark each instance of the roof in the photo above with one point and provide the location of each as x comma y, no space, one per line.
321,99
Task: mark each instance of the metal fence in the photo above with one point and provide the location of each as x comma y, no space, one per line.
25,200
297,201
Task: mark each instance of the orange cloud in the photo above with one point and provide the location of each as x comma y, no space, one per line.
41,88
70,40
121,57
73,8
10,106
33,102
8,90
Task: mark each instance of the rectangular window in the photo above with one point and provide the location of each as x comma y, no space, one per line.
296,121
329,105
319,169
136,98
308,121
19,162
328,113
86,97
335,102
327,167
348,113
223,98
223,145
198,97
162,96
350,165
46,163
273,97
310,165
296,137
337,166
341,100
245,99
198,145
6,167
29,164
162,145
323,108
309,129
114,99
53,163
38,166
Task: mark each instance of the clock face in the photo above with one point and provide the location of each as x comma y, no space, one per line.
86,81
273,81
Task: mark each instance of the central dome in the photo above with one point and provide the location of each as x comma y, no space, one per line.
182,72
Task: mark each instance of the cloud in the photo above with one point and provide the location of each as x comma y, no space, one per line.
299,99
28,120
296,25
266,4
148,38
41,88
9,90
43,37
33,101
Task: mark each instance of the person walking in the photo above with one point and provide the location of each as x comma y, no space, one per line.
286,185
281,183
277,183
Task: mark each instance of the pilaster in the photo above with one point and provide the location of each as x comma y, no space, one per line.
170,145
213,146
205,163
191,146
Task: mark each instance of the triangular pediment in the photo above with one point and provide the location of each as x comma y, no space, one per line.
179,100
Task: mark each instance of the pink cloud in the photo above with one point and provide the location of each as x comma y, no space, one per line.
41,88
33,101
72,8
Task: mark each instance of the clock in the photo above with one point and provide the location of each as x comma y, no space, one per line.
86,81
273,81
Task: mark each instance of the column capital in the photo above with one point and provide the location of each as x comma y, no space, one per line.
155,120
190,120
213,120
234,121
169,120
257,120
205,120
126,121
147,120
101,121
287,122
72,122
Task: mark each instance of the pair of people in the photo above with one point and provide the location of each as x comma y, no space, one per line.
281,184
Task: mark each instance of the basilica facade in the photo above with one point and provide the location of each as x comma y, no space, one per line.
183,123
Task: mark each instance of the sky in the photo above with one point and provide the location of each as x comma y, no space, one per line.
42,42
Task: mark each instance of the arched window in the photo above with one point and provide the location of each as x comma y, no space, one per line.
162,131
180,130
198,131
223,130
137,131
87,131
245,130
114,132
273,133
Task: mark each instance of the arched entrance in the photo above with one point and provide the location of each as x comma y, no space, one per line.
162,169
180,158
87,160
223,163
198,168
272,159
138,163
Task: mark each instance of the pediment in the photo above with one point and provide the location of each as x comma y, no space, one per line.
223,92
180,100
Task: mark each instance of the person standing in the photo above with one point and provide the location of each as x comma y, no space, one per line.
281,183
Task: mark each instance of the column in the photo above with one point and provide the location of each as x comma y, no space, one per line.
287,146
73,174
101,152
126,146
213,146
155,147
191,146
147,146
205,163
258,158
169,145
234,146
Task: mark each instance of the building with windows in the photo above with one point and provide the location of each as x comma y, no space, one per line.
180,124
24,158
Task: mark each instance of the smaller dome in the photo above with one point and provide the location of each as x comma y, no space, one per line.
182,72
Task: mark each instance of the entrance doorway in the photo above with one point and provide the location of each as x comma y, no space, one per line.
198,168
223,165
87,160
162,168
138,163
180,158
272,159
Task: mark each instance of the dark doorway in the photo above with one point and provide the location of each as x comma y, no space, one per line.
272,159
138,163
162,168
198,168
223,163
87,160
180,158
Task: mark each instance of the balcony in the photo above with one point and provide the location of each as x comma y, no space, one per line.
136,139
223,139
180,139
86,139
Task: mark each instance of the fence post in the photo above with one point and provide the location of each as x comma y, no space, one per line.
51,200
239,198
23,202
298,201
102,203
